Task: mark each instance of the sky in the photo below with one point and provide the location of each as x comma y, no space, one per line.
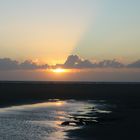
48,31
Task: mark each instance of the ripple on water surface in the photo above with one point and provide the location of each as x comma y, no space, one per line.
42,121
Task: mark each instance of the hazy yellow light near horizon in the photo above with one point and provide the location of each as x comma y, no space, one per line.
60,70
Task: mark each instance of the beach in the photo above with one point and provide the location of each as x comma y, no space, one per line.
108,110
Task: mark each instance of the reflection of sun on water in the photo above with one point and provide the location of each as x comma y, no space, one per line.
60,103
53,103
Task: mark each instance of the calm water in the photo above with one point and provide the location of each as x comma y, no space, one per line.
42,121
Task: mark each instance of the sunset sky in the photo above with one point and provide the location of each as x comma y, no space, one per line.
48,31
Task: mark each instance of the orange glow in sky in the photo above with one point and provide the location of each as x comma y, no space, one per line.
59,70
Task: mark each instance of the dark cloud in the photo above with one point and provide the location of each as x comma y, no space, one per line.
8,64
73,61
134,64
110,63
29,65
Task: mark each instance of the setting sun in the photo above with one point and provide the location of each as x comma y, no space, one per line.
59,70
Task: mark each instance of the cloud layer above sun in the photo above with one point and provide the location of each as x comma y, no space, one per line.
72,62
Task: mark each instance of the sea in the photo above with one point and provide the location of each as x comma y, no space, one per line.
43,121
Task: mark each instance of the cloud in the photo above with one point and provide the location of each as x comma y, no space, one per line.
110,63
8,64
29,65
73,61
135,64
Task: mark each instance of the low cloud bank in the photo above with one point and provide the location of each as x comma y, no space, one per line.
9,64
31,65
73,61
135,64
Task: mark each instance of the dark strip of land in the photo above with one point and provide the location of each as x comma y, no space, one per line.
27,92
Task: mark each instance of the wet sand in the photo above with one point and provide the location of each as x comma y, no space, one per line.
122,124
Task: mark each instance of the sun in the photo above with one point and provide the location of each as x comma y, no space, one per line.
59,70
